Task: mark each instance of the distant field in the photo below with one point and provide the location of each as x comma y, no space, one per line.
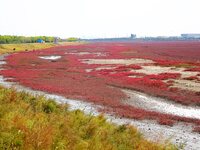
10,48
5,48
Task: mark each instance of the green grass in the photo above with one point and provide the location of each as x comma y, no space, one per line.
28,122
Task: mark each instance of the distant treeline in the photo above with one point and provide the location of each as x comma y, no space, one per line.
72,39
7,39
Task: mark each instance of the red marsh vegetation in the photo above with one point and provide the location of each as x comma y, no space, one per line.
96,72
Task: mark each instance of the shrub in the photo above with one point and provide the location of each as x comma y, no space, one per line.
49,106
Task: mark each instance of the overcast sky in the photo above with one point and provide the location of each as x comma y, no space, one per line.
99,18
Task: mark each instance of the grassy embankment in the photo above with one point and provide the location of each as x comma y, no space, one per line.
28,122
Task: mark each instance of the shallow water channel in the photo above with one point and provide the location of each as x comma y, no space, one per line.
53,57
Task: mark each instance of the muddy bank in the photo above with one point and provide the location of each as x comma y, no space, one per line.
161,105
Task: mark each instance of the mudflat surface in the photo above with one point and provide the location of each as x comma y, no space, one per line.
141,81
179,134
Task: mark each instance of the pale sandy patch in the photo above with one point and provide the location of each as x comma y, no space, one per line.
158,69
117,61
135,76
187,85
153,70
186,74
87,53
88,70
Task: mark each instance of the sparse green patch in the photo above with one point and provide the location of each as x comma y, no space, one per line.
28,122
